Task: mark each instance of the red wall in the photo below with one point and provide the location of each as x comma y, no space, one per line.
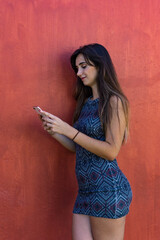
37,184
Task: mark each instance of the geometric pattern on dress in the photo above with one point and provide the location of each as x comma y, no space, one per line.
109,204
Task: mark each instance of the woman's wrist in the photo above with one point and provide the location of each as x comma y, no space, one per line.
75,135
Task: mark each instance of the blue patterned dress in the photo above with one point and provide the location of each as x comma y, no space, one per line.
104,191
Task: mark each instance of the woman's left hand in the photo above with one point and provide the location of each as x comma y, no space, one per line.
55,123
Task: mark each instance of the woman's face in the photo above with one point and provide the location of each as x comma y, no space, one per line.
86,72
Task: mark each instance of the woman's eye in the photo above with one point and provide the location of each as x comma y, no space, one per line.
82,67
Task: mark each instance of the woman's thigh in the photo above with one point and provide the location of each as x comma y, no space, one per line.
81,229
107,229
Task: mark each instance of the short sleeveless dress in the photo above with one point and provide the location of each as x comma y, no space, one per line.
104,190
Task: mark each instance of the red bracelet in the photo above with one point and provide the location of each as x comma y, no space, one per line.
75,136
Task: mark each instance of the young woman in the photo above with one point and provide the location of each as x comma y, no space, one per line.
100,128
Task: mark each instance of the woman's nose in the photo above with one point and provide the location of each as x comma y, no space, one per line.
79,72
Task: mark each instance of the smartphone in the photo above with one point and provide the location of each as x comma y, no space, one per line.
38,110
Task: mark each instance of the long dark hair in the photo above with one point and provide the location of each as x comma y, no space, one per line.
107,84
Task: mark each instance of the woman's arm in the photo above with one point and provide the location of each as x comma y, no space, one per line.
65,141
107,149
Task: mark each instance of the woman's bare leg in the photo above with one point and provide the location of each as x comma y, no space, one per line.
107,229
81,229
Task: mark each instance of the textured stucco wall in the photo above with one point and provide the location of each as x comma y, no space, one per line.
37,183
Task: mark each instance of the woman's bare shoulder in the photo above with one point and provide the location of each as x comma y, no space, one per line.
115,101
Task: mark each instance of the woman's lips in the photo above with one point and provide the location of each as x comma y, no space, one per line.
83,78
